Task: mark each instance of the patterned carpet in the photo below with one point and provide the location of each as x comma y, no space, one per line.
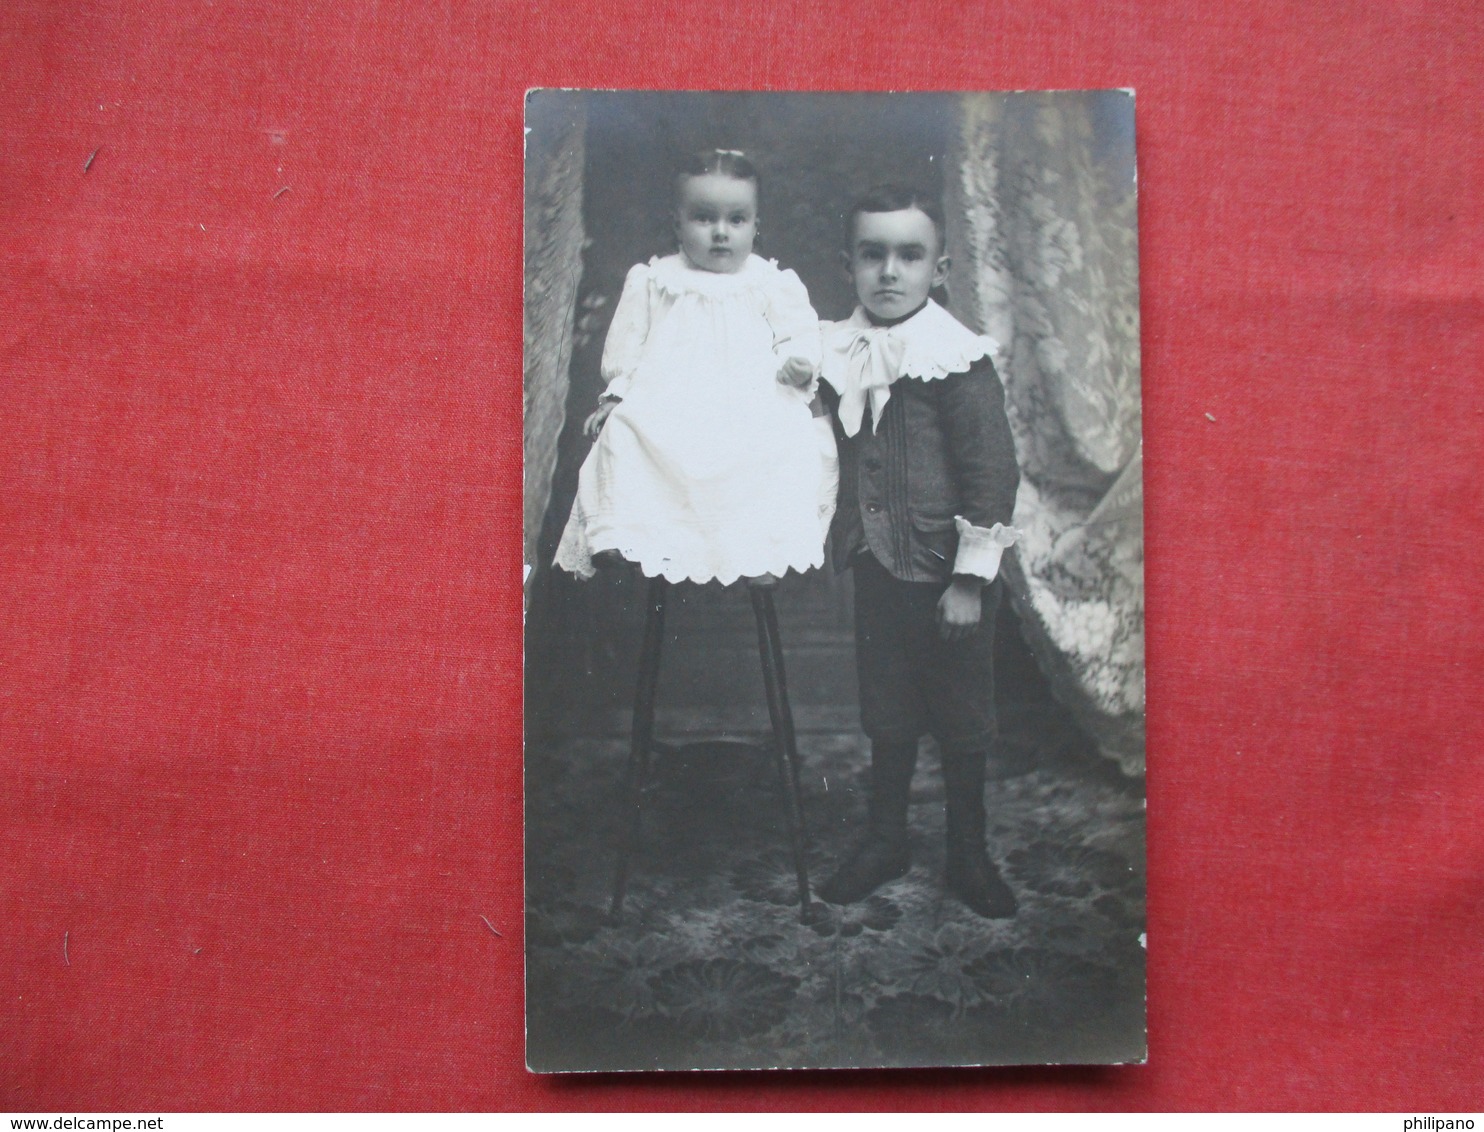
711,967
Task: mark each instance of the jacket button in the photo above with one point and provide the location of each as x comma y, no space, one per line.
873,507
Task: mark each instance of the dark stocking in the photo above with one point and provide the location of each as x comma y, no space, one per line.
971,877
883,855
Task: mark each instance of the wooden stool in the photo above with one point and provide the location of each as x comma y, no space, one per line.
770,652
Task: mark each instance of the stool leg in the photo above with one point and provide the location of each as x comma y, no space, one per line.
770,652
790,745
641,737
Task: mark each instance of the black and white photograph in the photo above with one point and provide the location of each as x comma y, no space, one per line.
833,540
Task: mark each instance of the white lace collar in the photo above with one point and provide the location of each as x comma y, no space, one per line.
674,275
862,360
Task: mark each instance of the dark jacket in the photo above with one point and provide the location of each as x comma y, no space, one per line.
943,449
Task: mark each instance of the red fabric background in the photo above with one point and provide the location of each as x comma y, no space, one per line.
259,676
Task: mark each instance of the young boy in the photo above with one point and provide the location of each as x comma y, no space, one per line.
927,492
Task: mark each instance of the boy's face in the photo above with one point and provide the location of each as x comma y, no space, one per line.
716,221
894,261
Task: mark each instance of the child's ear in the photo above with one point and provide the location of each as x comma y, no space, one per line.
845,268
940,270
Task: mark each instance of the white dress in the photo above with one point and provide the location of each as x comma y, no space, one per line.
708,469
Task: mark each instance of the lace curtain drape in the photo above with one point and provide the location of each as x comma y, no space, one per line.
1042,227
555,146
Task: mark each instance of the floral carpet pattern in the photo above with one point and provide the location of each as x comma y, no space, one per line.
712,966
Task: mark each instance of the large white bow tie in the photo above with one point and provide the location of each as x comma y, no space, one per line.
871,358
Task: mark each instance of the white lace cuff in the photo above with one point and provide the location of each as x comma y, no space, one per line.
979,550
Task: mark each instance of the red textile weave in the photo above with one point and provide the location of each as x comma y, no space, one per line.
259,558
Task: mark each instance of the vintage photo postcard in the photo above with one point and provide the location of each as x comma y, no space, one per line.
834,709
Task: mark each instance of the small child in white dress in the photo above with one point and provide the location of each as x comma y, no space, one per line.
707,462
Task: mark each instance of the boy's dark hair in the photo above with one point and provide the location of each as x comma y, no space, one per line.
726,162
895,198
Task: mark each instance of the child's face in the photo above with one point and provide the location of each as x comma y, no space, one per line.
895,260
716,221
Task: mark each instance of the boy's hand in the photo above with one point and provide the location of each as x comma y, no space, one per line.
594,424
959,609
796,372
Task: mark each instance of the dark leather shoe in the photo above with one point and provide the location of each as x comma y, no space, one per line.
873,864
973,878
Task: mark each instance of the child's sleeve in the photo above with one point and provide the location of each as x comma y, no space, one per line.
795,326
624,347
981,451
